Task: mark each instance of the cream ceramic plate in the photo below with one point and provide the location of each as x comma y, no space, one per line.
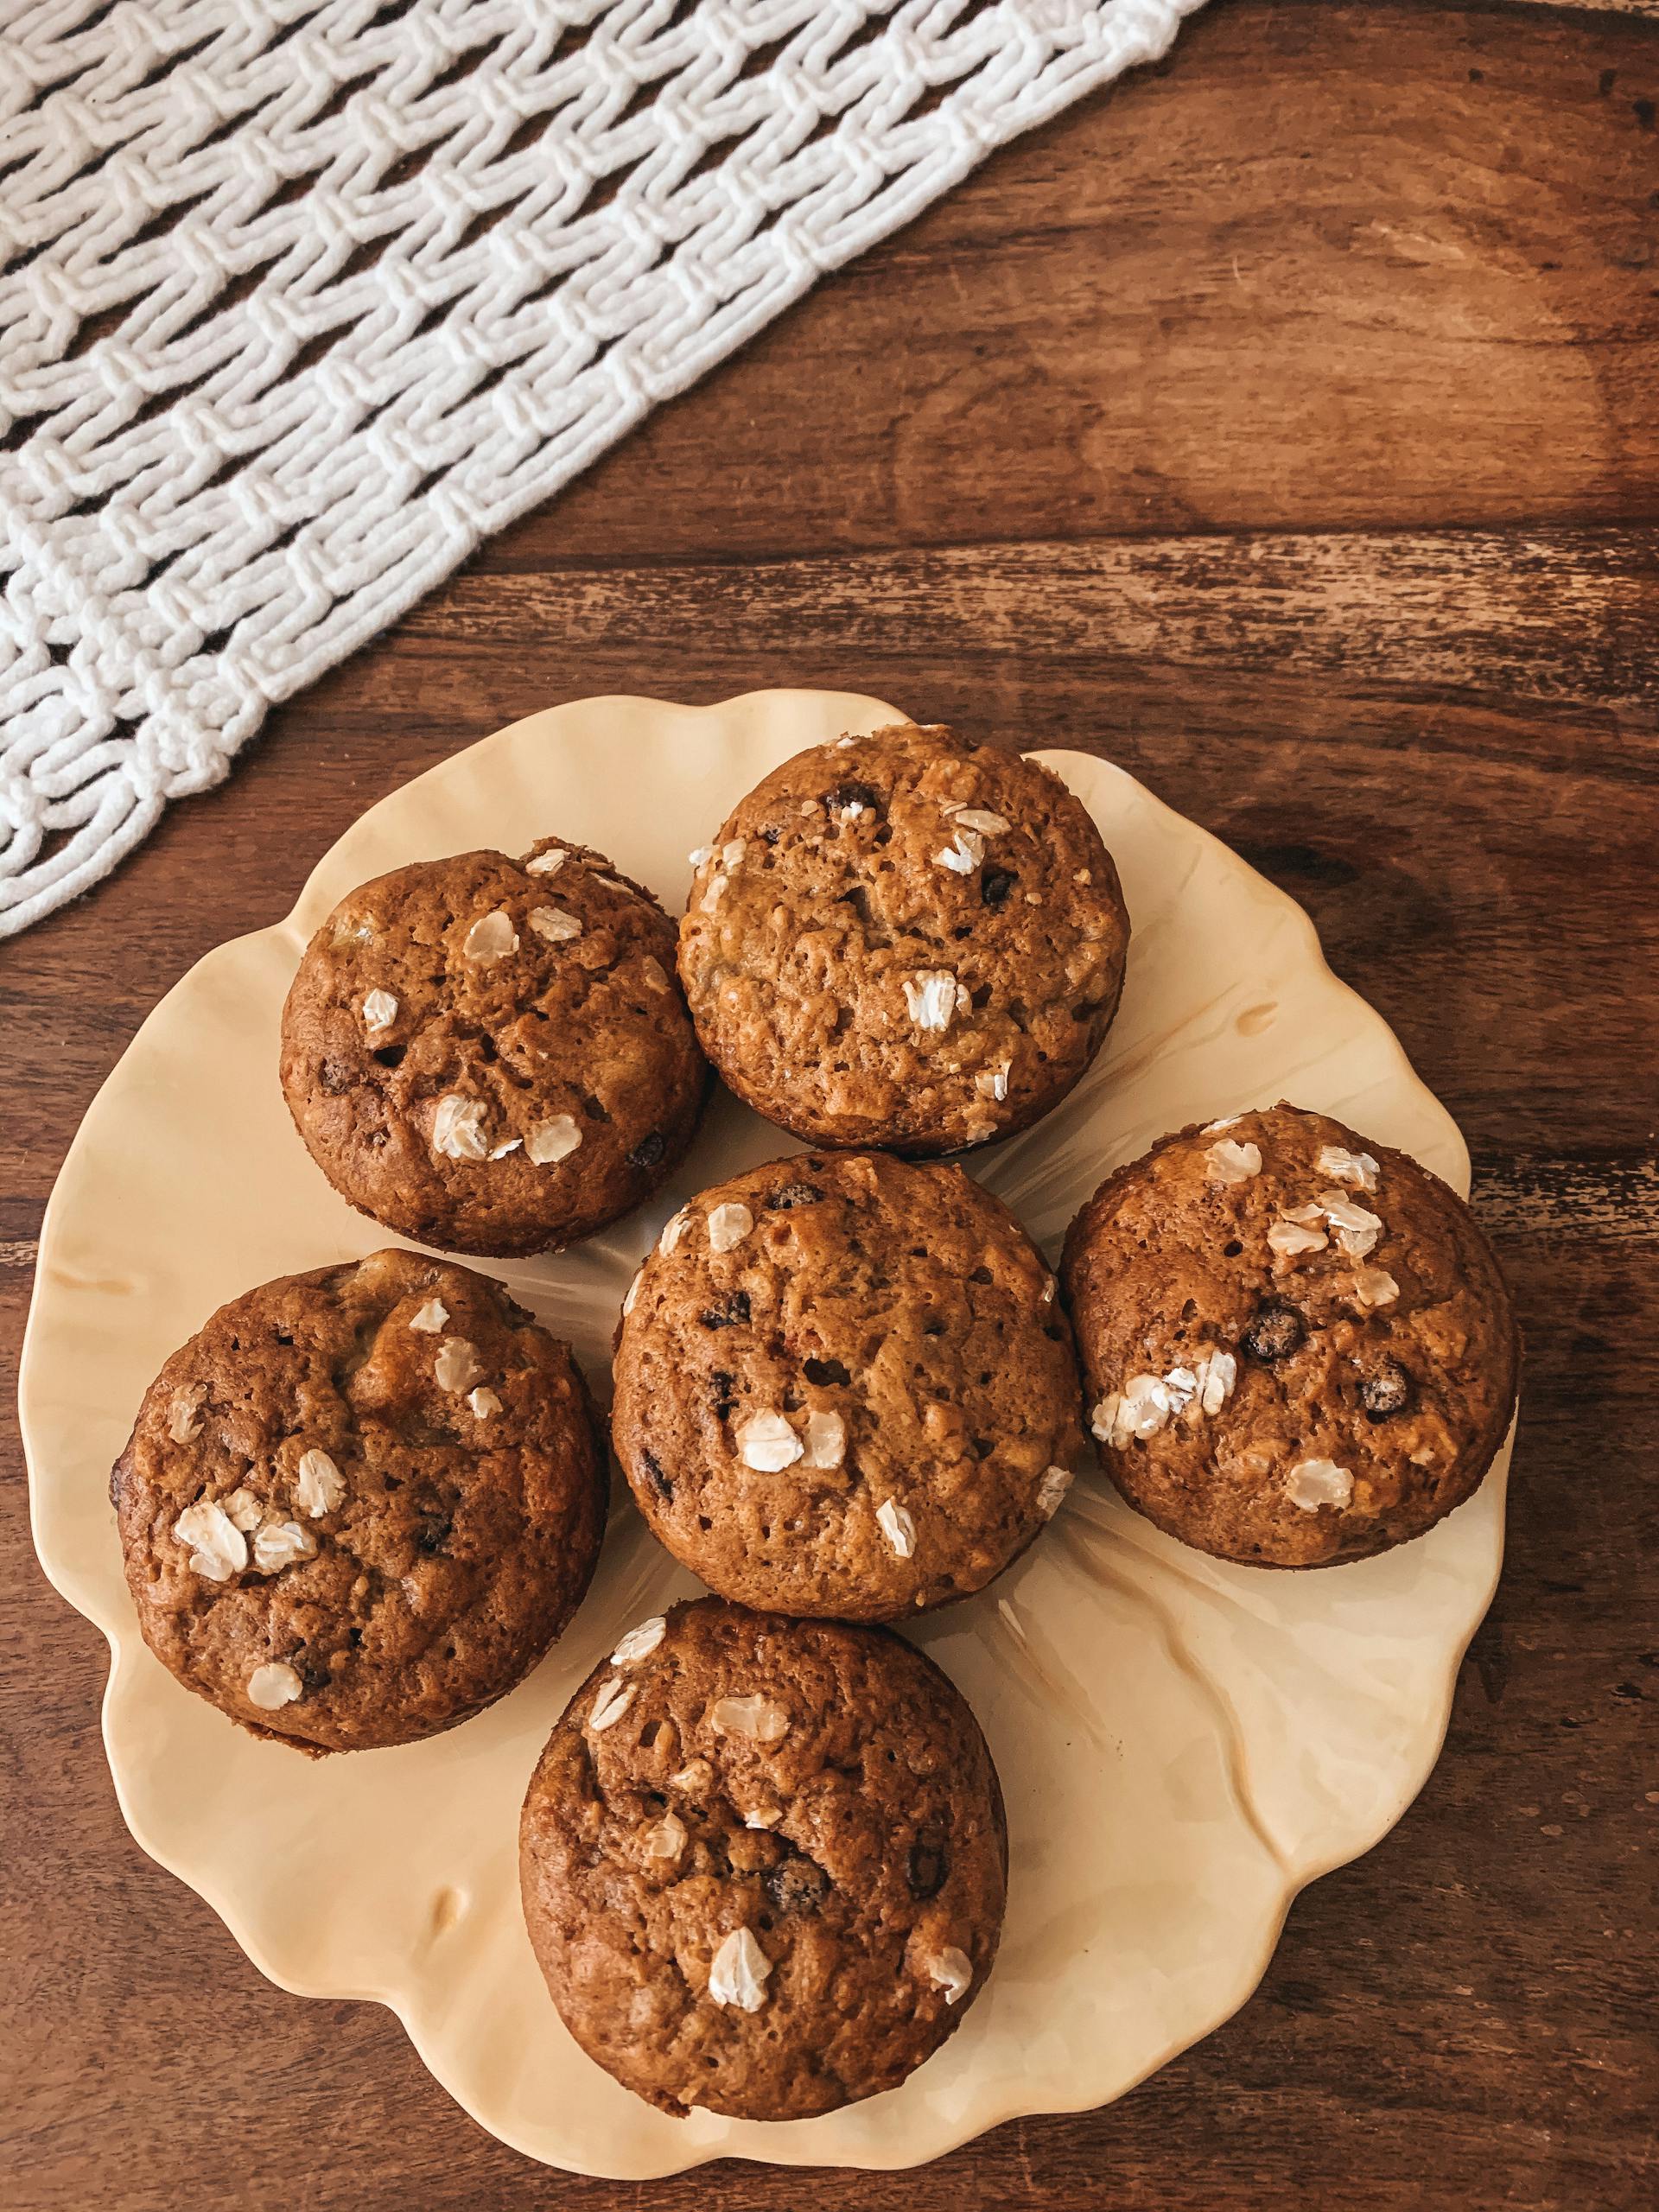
1183,1744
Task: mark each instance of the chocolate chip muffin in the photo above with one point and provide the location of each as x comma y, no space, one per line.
763,1862
1298,1346
361,1504
491,1055
904,940
844,1387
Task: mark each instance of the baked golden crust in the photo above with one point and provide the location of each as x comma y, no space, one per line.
904,940
1297,1344
763,1862
844,1388
359,1504
491,1055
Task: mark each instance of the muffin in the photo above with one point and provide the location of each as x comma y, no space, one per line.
904,940
844,1387
361,1504
1298,1347
763,1862
491,1055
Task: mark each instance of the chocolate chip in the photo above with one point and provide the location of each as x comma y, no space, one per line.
995,884
771,836
798,1884
310,1663
826,1370
732,1309
722,1384
433,1532
334,1076
1386,1389
1276,1332
657,1478
649,1150
793,1194
850,793
926,1867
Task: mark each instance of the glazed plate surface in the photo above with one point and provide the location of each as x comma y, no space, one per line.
1183,1744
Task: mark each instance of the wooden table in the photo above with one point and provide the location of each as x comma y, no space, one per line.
1285,424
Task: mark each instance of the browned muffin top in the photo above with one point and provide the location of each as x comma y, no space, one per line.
843,1387
1298,1346
904,940
359,1504
491,1055
764,1862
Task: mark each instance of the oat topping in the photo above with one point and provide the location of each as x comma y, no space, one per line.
952,1971
554,923
630,1297
456,1367
380,1011
1051,1491
728,1225
993,1082
1289,1235
897,1527
548,864
1374,1287
980,818
458,1130
767,1443
220,1549
554,1139
318,1486
184,1415
279,1544
1357,1168
484,1402
756,1718
639,1642
500,1151
431,1316
614,1699
1314,1483
1356,1230
932,996
711,898
1229,1121
673,1229
273,1686
1217,1372
825,1442
699,854
1149,1402
245,1510
1141,1409
667,1838
731,854
492,937
963,855
1227,1161
738,1971
654,973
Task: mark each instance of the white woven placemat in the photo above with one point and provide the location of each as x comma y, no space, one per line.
299,299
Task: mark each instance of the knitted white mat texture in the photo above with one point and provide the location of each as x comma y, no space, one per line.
299,302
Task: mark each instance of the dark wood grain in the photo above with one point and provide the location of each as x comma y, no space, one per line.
1285,425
